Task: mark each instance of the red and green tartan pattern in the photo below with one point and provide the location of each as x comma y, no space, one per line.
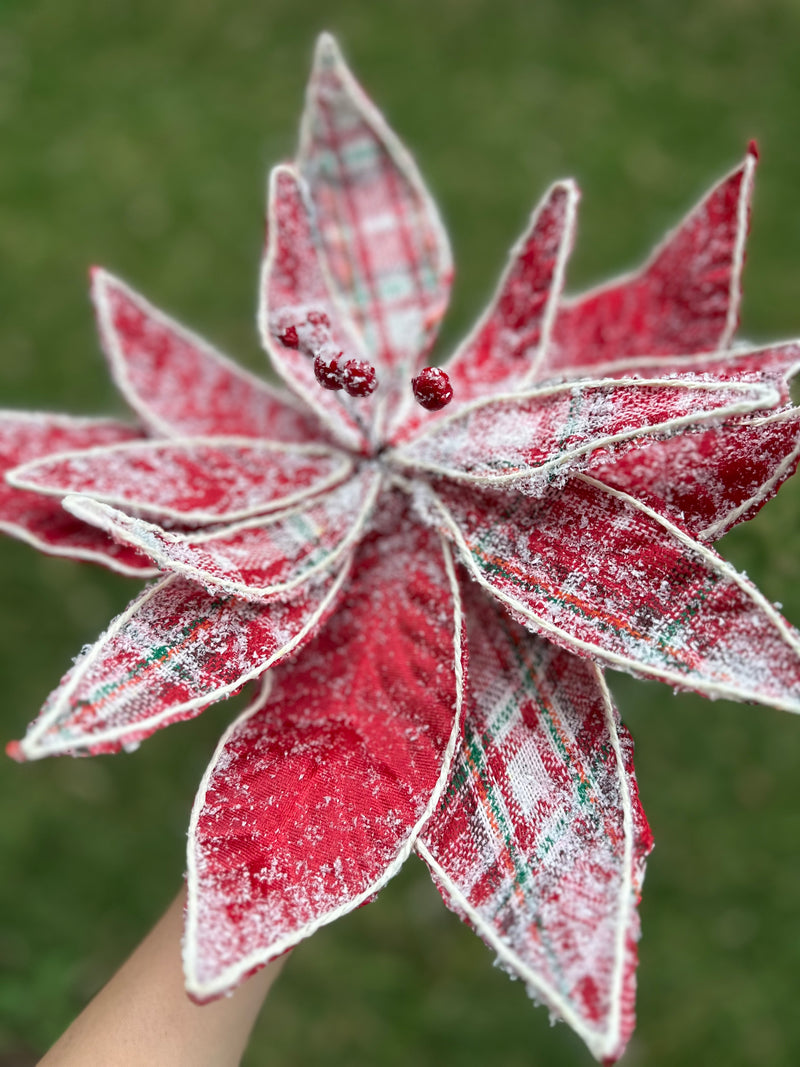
174,651
293,285
384,243
313,803
318,793
600,576
177,383
194,480
40,520
685,299
259,558
708,482
540,830
535,436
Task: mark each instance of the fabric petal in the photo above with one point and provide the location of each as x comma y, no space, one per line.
605,576
192,480
313,803
294,288
708,482
685,298
533,437
384,242
177,383
260,558
40,520
171,654
539,841
776,363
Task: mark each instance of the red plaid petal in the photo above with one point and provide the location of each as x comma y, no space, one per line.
710,481
777,363
294,286
603,575
311,804
177,383
260,558
174,651
503,348
537,435
539,841
685,298
40,520
193,480
384,243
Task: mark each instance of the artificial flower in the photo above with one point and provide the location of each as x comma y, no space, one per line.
426,581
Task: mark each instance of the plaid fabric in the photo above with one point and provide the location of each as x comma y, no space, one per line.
685,299
384,243
604,578
294,286
311,803
189,481
40,520
177,383
537,435
500,352
174,651
259,558
540,830
708,482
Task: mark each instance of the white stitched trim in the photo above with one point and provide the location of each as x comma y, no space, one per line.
343,428
86,555
762,397
718,528
627,276
556,282
100,515
32,750
742,217
101,281
234,973
17,476
606,1041
626,663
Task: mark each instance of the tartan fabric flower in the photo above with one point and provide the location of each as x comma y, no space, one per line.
345,548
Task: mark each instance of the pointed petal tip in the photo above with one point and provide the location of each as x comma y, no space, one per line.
327,47
16,752
752,151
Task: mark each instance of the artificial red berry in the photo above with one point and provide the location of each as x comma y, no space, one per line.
328,371
318,318
289,337
359,377
432,389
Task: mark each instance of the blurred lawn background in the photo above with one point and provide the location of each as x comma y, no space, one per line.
137,134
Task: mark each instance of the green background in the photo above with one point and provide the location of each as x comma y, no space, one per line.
137,134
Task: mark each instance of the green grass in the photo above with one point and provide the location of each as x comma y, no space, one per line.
137,134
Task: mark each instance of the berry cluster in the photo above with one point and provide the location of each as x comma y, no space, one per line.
431,388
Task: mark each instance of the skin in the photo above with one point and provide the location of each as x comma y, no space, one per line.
143,1017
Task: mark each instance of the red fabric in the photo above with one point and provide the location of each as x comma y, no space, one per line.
258,558
535,435
677,303
708,482
292,287
541,831
40,520
602,578
194,481
177,383
174,651
381,235
312,801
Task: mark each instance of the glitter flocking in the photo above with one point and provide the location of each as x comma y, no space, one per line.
543,506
